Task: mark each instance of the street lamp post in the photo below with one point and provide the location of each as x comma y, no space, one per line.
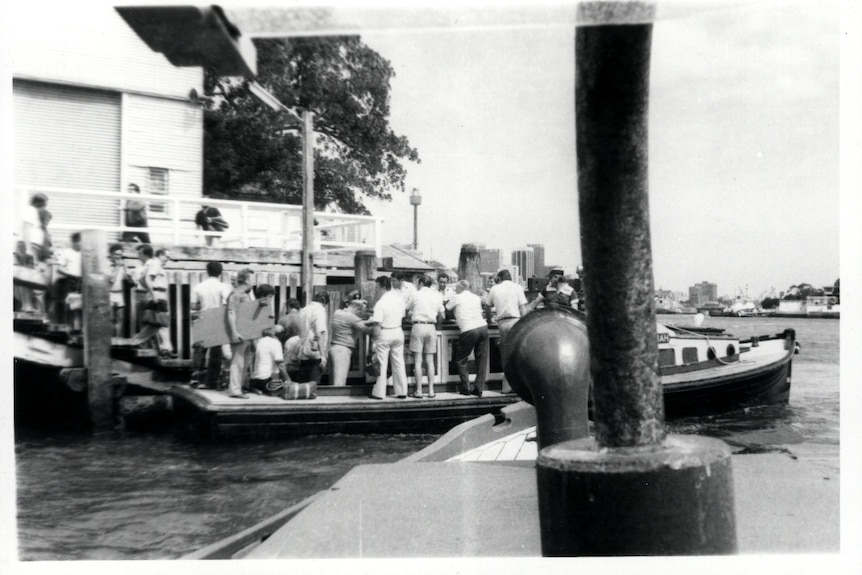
416,201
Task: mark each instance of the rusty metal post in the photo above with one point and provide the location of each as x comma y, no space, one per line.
97,330
631,490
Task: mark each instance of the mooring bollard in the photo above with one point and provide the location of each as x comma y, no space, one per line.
549,367
632,490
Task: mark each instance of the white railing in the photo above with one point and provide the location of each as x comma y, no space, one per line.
171,221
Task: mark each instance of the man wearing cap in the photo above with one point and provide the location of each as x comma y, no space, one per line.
346,326
558,292
427,312
473,339
510,304
239,346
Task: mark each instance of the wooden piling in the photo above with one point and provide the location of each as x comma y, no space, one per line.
97,329
468,267
364,267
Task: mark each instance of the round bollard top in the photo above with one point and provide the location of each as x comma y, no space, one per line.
675,452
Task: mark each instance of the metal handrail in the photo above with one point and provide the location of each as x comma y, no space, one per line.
333,232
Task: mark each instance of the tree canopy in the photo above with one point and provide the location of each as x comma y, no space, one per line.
250,150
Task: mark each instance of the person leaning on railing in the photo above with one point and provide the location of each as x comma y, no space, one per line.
136,217
347,325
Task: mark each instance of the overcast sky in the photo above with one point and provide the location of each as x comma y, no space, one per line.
744,143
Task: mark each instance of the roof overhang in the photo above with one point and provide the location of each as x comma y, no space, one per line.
194,36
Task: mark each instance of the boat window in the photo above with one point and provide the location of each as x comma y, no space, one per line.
665,357
731,350
710,353
689,355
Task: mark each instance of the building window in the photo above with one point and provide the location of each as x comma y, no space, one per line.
159,183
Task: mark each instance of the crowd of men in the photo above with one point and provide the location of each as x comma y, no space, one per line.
303,343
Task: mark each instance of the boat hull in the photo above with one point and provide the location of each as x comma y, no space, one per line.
209,415
764,386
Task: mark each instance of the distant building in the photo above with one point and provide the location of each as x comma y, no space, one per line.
701,293
539,259
524,259
490,260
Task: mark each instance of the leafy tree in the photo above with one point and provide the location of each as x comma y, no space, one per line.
250,152
769,303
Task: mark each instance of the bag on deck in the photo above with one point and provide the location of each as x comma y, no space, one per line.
295,390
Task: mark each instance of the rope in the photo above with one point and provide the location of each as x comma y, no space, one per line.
274,385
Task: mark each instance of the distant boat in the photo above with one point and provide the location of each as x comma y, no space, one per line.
816,306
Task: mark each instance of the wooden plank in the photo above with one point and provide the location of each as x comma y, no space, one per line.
511,448
235,255
491,452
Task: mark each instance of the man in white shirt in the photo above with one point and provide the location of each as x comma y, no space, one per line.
268,358
314,326
427,311
389,343
510,304
209,294
473,339
401,283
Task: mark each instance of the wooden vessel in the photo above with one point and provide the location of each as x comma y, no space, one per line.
702,374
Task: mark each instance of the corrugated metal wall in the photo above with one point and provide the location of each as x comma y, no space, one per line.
69,138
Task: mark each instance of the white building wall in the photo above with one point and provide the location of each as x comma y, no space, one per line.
165,134
90,45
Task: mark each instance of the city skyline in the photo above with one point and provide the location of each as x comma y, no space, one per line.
744,142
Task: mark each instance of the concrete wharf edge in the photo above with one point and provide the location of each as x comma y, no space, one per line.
785,503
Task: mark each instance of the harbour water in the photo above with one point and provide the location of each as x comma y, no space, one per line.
151,496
